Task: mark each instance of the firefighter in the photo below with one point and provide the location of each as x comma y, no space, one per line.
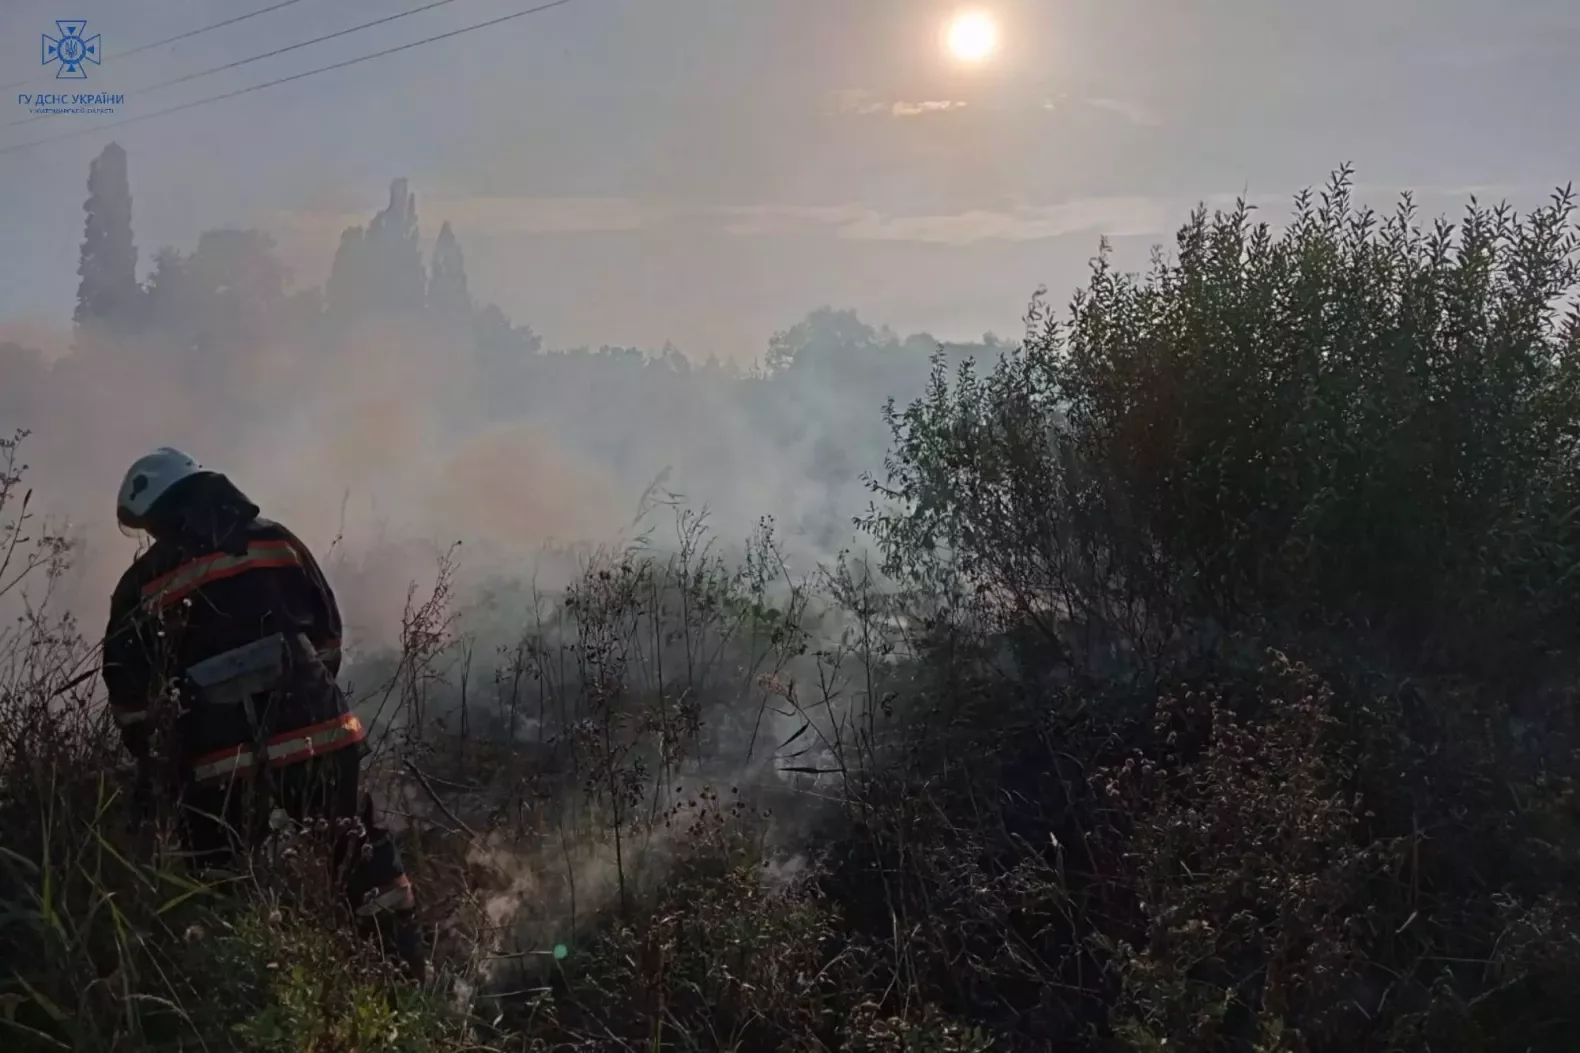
224,636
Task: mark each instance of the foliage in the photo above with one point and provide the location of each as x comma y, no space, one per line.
108,272
1354,427
1216,692
1353,441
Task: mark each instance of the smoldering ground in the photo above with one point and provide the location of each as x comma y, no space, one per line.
663,704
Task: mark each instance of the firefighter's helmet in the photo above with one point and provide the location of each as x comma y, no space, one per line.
148,479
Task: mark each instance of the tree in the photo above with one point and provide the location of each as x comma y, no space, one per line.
826,339
227,296
380,268
108,290
447,292
509,367
393,252
346,289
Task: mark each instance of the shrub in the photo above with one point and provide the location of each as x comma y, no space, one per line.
1356,426
1353,440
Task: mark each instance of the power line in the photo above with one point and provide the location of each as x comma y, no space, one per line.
286,80
181,36
265,55
205,29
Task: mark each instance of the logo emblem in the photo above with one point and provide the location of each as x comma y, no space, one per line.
71,50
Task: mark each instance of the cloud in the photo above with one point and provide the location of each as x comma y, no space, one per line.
1117,216
307,238
1112,215
1133,112
1130,111
917,109
779,220
494,214
860,103
548,215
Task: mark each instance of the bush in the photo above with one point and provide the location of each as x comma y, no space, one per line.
1356,426
1353,440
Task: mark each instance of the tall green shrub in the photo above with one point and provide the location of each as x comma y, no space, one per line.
1354,425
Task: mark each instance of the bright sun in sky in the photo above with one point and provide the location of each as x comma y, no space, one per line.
972,36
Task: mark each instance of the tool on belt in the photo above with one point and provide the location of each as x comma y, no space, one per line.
238,676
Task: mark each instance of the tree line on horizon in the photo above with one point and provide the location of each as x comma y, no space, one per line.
809,408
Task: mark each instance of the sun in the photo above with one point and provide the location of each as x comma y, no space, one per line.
972,36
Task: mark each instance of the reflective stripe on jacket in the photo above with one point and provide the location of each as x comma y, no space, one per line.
291,747
188,599
191,576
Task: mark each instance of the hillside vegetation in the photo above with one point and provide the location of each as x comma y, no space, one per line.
1215,690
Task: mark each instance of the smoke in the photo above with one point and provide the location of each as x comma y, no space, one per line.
46,339
356,452
384,424
412,447
379,448
556,883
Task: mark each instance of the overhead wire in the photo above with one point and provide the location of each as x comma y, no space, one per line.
180,36
266,55
286,80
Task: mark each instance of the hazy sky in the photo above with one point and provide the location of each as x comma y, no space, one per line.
705,171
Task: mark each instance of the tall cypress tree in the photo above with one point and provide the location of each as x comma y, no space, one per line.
379,269
108,270
346,292
394,253
447,291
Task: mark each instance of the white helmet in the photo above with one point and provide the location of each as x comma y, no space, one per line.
148,479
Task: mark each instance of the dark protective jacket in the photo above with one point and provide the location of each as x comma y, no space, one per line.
218,578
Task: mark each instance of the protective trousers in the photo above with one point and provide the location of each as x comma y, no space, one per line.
224,820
